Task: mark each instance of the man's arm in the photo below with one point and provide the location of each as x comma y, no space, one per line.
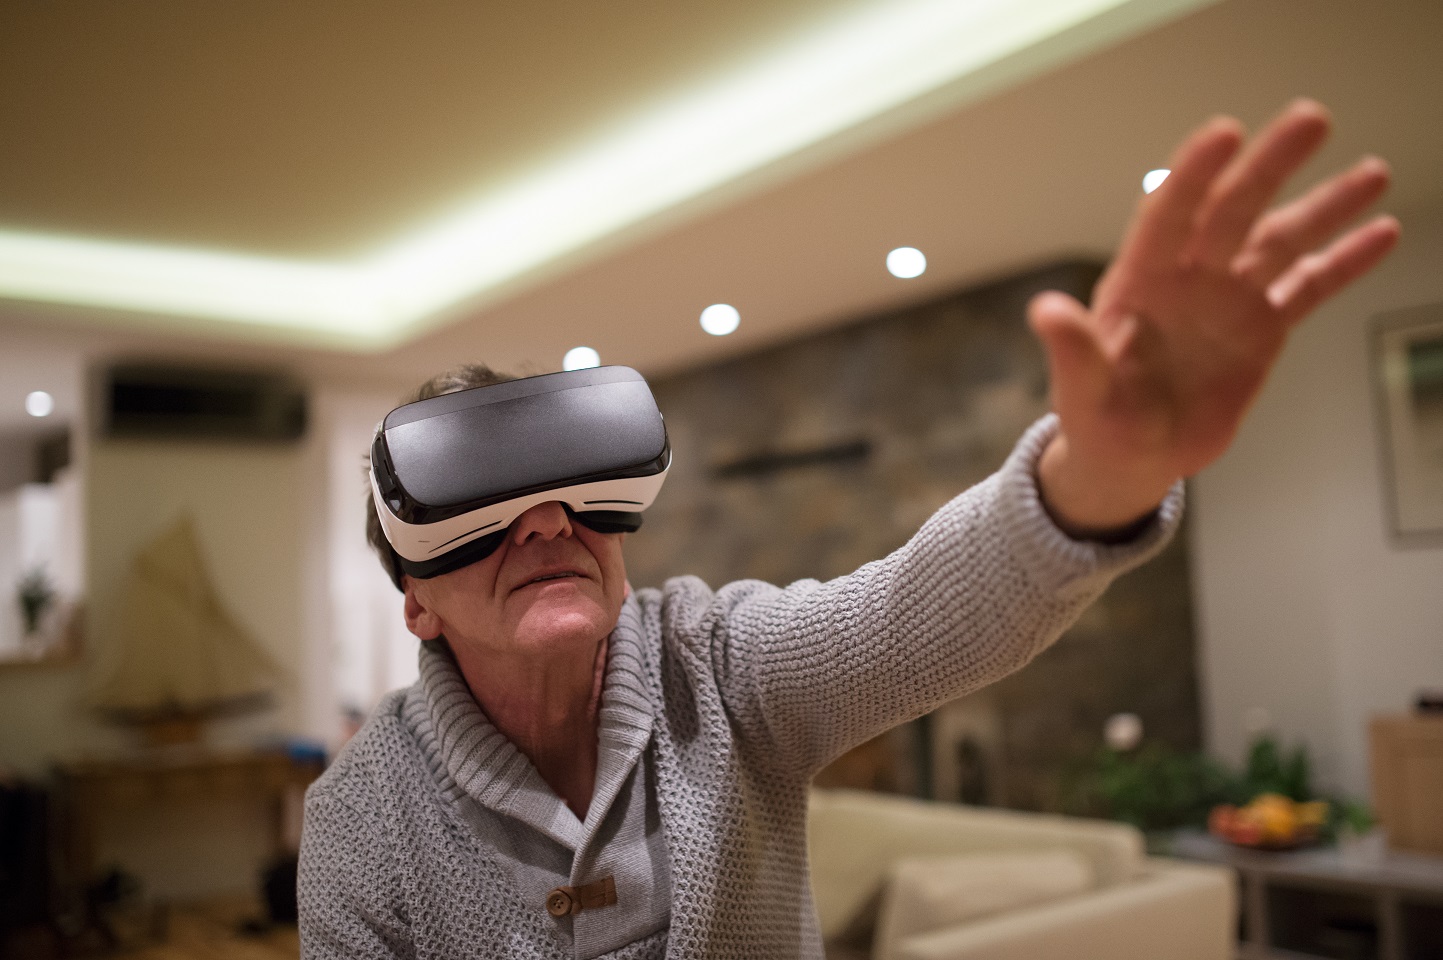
1152,383
1149,385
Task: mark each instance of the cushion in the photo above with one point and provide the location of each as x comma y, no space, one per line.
923,894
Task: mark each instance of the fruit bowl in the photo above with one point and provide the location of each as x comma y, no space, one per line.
1270,821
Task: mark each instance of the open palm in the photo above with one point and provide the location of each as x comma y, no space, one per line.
1152,383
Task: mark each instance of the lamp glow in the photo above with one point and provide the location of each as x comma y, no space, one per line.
720,319
38,403
1153,179
580,358
1123,732
906,262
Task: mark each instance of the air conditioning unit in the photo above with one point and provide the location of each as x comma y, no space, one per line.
153,400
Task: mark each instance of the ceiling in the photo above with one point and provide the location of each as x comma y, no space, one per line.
208,235
316,131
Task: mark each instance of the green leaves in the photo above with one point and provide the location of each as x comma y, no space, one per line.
1269,771
1158,787
1155,787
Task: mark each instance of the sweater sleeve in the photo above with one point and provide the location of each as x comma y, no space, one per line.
808,671
348,893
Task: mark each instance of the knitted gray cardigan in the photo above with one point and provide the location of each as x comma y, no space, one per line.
750,690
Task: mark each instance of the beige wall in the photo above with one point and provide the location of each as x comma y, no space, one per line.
250,522
358,646
280,531
1306,609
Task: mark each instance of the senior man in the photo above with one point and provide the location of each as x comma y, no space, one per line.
587,771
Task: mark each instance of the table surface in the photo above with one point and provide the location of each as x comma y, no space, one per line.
1393,870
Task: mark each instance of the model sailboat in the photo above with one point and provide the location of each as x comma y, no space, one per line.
181,658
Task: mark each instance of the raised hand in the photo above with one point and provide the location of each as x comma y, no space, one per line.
1152,383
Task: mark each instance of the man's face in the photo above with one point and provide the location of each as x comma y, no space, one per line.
554,586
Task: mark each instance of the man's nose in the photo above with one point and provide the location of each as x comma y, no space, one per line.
545,521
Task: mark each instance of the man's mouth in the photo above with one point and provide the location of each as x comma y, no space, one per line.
559,575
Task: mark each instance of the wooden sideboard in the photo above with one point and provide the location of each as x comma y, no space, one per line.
162,777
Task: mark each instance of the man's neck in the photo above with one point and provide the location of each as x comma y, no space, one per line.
550,712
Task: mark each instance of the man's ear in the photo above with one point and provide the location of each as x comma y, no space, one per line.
420,618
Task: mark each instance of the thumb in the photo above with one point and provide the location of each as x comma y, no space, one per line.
1076,365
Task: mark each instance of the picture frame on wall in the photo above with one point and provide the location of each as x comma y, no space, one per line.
1408,376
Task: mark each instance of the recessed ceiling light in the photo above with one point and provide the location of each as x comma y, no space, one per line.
906,262
1153,179
38,403
720,319
580,358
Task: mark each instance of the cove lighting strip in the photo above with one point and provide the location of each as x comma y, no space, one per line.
865,66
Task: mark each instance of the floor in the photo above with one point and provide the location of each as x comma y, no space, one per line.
216,931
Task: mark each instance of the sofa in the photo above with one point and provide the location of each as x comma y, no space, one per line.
895,878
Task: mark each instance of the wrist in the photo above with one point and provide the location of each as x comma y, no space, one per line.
1110,501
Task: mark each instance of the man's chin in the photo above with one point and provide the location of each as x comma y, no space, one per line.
549,625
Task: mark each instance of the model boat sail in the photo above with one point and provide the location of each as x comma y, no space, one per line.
180,658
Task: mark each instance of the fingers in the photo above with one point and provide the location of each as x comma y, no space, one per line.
1245,188
1165,218
1314,278
1284,235
1076,364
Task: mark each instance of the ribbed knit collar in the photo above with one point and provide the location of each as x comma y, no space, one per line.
486,766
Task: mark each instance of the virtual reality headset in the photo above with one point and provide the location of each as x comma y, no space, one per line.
449,474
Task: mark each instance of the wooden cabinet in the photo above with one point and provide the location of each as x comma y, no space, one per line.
1406,753
169,779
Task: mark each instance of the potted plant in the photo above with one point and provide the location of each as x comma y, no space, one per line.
1270,804
35,595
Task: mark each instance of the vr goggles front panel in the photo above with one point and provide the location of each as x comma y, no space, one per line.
453,470
421,546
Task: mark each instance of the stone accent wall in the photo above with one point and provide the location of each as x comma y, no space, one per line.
811,458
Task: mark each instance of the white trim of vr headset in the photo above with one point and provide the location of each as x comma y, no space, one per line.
427,541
